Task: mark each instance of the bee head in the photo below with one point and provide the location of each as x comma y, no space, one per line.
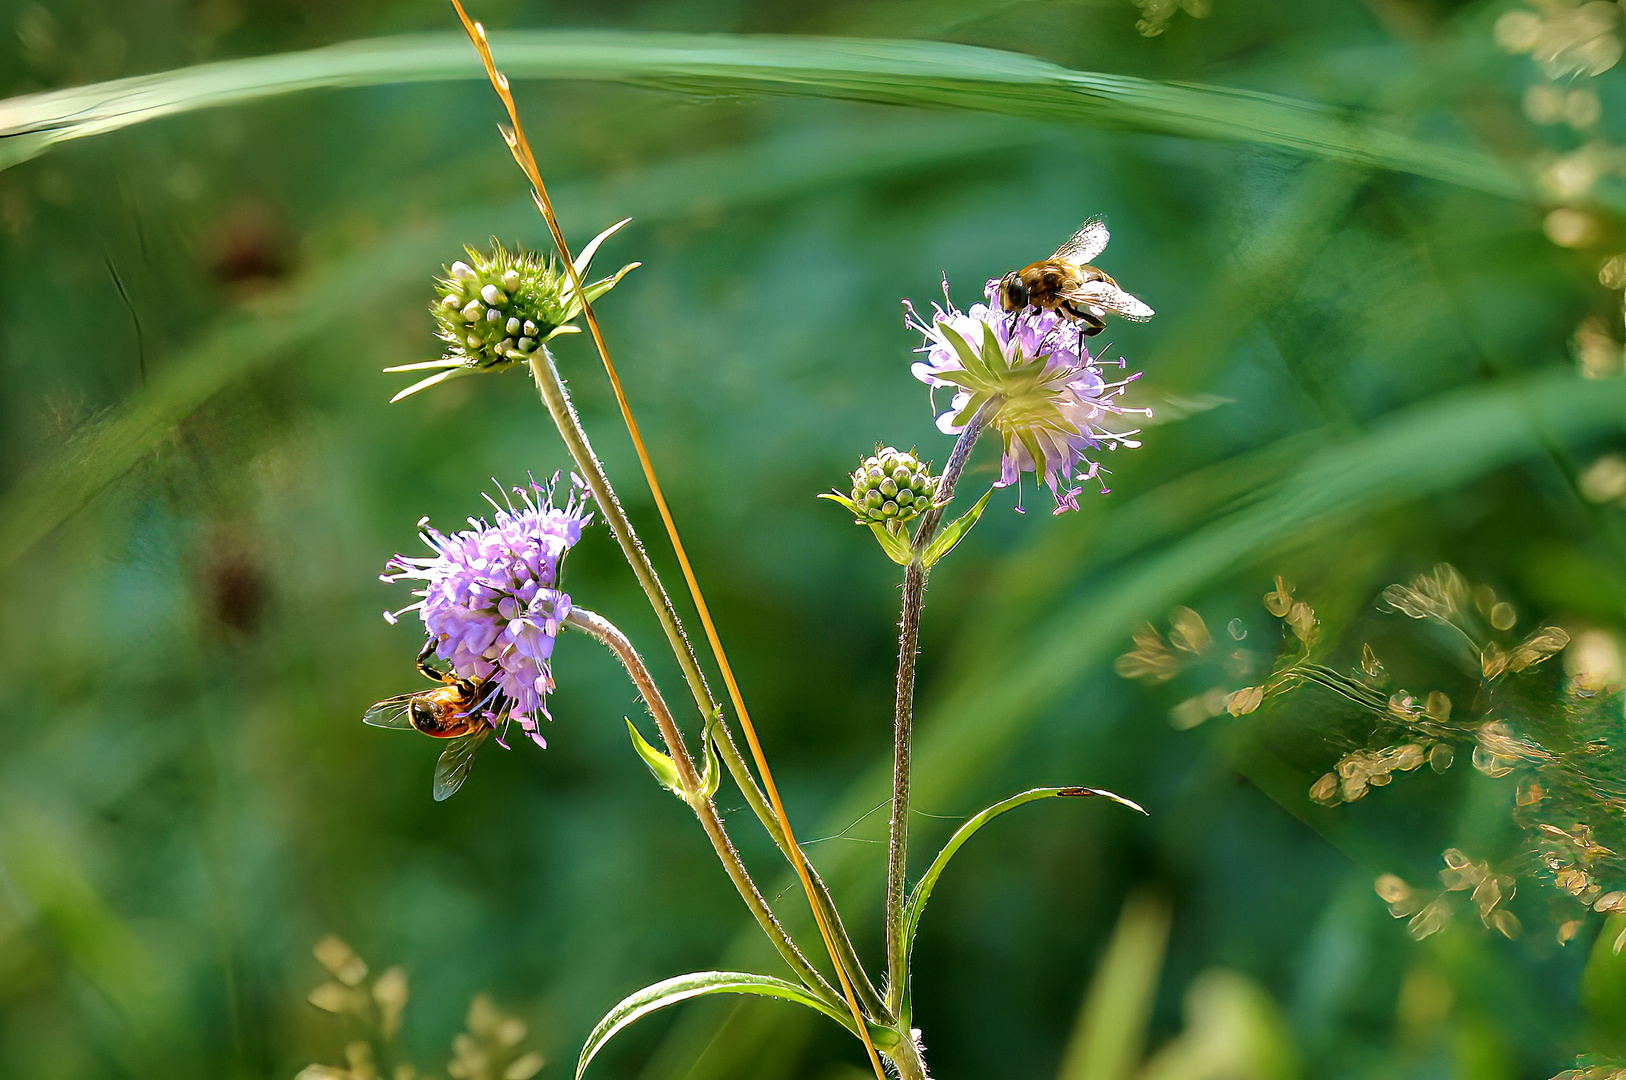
1013,295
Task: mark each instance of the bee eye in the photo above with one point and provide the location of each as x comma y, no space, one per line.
423,717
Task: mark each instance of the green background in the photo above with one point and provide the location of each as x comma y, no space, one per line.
202,480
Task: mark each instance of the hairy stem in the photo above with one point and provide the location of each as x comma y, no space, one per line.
557,400
606,633
914,598
824,913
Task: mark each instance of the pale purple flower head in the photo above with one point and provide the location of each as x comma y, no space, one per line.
491,599
1053,397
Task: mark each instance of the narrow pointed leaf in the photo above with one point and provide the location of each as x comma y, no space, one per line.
426,365
699,984
928,881
584,257
836,497
954,532
425,384
660,764
712,774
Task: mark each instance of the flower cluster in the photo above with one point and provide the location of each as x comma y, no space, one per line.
497,309
491,599
891,485
1048,394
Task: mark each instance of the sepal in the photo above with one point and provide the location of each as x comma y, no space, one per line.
895,544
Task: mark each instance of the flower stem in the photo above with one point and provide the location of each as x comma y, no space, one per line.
557,400
607,634
824,913
914,598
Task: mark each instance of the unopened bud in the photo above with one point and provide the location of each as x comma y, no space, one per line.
891,485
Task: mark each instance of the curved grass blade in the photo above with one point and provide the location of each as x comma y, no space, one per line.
270,329
699,984
913,73
928,881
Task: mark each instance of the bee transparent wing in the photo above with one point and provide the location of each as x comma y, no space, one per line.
1089,241
393,712
1108,297
455,761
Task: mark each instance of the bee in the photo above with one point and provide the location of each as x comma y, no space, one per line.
455,710
1066,283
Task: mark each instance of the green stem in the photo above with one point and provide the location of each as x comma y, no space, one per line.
557,400
606,633
914,599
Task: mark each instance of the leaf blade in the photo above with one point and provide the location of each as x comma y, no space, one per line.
954,532
697,984
928,881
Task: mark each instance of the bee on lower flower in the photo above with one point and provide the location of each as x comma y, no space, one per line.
492,608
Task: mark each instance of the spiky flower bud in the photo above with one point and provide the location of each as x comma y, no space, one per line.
891,485
499,307
484,303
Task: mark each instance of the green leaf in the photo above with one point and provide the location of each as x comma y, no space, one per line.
954,532
896,547
837,497
701,983
424,384
660,764
712,774
923,889
594,290
584,257
917,73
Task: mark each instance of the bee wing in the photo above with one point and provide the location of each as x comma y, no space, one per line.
392,712
1106,295
455,761
1089,241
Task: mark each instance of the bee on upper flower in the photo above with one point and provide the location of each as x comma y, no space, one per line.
1052,396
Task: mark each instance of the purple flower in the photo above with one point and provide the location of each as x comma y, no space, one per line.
1051,396
491,598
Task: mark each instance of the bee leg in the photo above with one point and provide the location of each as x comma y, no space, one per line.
424,666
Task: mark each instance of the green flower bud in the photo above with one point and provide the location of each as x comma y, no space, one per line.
494,310
891,485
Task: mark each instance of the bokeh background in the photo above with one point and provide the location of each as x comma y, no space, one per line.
1367,360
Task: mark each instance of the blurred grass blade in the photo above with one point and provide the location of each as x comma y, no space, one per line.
912,73
699,984
151,1021
1110,1036
273,327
